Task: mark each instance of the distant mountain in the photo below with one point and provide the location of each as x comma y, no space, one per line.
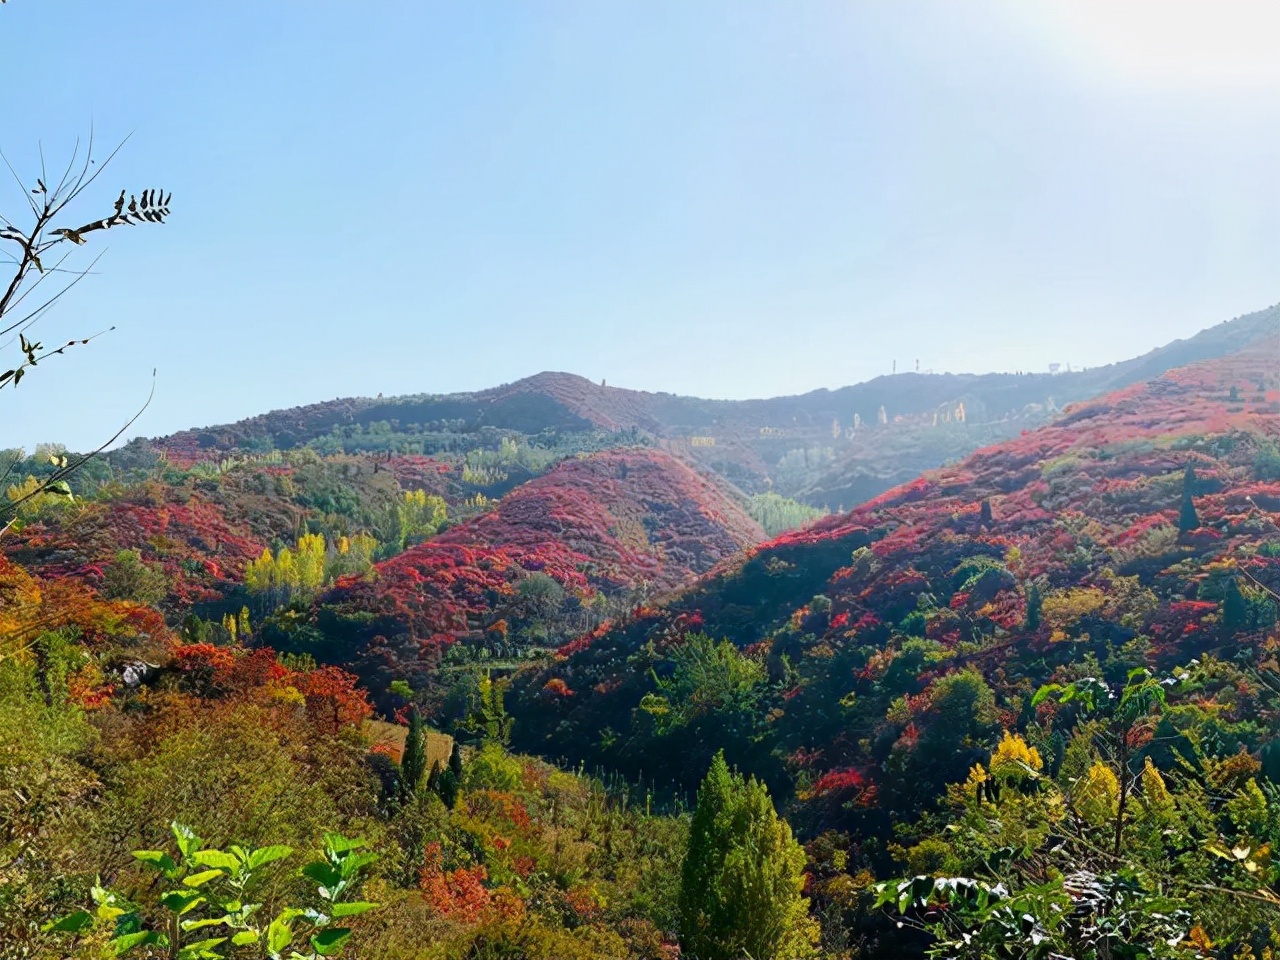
827,447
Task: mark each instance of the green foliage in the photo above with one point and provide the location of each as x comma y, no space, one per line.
1188,519
413,764
705,676
127,577
208,891
778,514
743,876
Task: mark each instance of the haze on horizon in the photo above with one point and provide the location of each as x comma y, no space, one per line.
723,199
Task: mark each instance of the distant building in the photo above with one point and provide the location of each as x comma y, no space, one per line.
1055,367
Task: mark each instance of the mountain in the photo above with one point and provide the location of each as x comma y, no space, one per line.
826,447
547,556
875,653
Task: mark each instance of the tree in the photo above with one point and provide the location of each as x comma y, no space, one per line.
127,577
743,876
39,256
1035,604
1188,519
413,764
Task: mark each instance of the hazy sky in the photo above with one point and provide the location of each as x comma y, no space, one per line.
726,199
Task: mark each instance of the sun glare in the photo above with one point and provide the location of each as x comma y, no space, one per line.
1233,43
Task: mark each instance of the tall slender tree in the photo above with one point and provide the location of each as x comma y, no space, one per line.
741,890
413,765
1188,519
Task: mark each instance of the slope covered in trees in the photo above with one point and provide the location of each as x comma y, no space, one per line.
546,559
873,660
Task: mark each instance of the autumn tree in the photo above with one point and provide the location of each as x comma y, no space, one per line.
743,876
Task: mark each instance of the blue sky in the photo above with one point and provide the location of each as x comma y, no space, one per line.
726,199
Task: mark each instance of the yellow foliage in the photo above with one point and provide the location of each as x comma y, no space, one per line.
1014,756
1154,790
1061,608
1097,794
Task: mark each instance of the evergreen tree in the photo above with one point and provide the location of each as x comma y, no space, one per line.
413,765
743,876
1034,605
455,761
985,514
1235,609
1188,519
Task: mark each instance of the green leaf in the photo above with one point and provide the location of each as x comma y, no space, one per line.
245,937
328,942
279,935
322,873
337,843
216,858
122,945
355,908
188,842
157,860
189,925
199,879
265,855
181,901
201,949
71,923
1045,692
352,864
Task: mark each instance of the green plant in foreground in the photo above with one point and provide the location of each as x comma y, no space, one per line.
205,892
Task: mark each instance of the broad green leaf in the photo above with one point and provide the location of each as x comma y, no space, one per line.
216,858
322,873
181,901
355,908
189,925
122,945
337,843
265,855
71,923
157,860
328,942
200,879
245,937
357,861
201,949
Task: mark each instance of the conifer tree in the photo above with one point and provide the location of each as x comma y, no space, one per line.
1235,610
1034,605
743,876
1188,519
413,765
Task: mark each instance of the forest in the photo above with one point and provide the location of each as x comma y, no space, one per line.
980,666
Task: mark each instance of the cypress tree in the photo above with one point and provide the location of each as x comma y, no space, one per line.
413,765
1034,605
455,761
1188,519
743,876
1235,609
985,515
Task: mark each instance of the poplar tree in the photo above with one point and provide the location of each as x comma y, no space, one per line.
413,764
743,876
1188,519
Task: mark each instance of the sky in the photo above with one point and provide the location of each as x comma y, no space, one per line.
726,199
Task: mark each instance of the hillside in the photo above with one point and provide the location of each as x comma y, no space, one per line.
549,555
826,447
1066,550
